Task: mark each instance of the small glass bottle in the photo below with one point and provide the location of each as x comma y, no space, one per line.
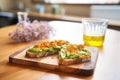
55,9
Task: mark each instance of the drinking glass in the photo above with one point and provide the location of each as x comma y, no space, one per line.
94,30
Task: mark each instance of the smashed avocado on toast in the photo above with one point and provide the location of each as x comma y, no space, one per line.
46,48
74,53
67,53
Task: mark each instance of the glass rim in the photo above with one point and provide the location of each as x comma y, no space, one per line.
95,19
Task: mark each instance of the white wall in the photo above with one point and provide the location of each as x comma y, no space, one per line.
111,12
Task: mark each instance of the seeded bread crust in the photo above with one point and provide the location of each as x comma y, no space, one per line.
73,61
34,55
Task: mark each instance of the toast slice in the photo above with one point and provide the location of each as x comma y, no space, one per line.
73,54
33,55
45,48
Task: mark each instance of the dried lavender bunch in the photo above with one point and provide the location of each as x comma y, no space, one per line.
27,31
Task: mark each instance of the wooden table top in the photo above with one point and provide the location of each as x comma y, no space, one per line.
107,67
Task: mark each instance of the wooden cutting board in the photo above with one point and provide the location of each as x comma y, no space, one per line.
51,62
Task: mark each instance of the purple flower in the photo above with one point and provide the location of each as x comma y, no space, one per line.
27,31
